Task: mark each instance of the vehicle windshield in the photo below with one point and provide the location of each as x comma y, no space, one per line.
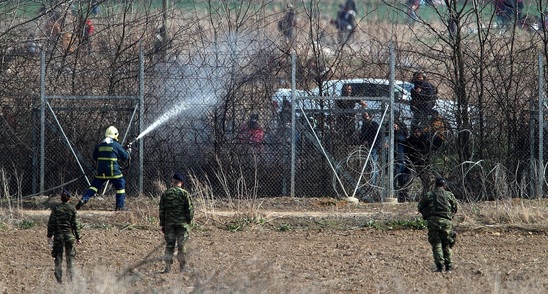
369,90
406,86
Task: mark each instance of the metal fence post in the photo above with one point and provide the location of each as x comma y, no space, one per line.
42,119
540,188
390,187
293,104
141,104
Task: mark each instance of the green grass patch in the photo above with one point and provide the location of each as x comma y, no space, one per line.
127,226
100,226
152,219
329,223
25,224
284,227
414,224
241,223
371,224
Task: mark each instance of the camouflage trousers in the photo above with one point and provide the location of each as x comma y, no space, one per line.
63,243
175,235
439,236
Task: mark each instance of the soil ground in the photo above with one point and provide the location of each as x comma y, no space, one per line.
280,245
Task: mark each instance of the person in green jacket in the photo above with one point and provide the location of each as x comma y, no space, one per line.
438,208
62,235
176,213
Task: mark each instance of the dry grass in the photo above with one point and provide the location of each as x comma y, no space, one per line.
513,212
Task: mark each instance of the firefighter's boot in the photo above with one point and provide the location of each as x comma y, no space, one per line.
80,204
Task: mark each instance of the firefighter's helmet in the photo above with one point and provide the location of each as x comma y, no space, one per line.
112,132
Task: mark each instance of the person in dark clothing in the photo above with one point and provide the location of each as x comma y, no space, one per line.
419,147
176,213
401,171
503,13
506,10
438,208
287,23
352,5
412,7
95,7
31,47
162,43
346,121
452,21
517,12
423,97
62,235
345,23
346,91
542,21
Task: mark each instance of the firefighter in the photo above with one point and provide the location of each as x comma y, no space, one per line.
107,155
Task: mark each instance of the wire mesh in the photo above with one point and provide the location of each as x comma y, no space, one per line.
215,99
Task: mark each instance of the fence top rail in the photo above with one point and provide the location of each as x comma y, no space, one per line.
91,108
91,97
341,98
341,110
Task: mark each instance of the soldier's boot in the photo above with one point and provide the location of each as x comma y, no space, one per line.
167,269
58,277
439,268
448,268
182,265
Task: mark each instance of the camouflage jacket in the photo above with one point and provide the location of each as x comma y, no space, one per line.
63,220
176,207
440,203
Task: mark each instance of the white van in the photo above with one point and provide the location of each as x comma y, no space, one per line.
369,88
374,92
282,100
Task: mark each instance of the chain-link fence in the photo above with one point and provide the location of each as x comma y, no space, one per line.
217,96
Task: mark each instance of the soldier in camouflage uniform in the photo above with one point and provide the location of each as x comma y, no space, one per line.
63,234
438,208
176,213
